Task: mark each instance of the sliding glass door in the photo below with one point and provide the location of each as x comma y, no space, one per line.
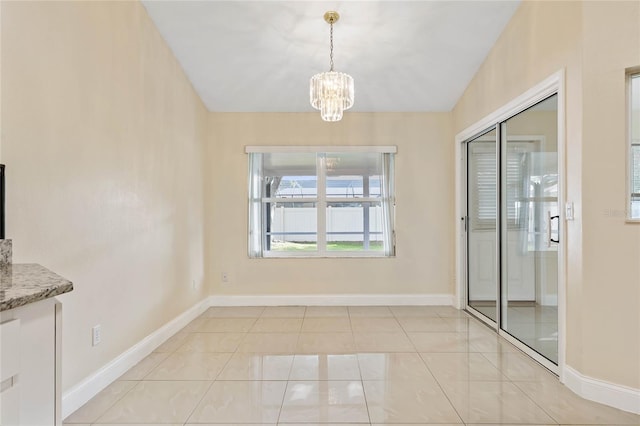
530,228
512,227
482,224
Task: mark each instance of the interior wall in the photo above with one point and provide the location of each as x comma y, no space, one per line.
593,42
611,286
103,138
424,190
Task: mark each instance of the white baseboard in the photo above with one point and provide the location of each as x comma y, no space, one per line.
624,398
618,396
335,300
82,392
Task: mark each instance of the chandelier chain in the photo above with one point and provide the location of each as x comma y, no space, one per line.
331,48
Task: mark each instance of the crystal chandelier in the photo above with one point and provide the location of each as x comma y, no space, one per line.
331,92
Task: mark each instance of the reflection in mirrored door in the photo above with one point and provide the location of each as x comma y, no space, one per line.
513,228
482,220
530,223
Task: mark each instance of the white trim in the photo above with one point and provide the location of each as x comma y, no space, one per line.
381,149
539,92
82,392
460,212
321,205
562,201
618,396
335,300
330,199
613,395
325,254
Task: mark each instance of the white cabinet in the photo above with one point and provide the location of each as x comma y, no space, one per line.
30,376
9,369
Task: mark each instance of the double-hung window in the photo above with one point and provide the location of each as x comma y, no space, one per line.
633,84
321,201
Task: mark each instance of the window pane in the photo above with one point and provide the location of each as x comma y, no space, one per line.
290,227
635,181
635,109
290,175
353,175
297,187
635,147
355,227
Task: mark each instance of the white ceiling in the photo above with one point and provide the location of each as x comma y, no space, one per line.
258,56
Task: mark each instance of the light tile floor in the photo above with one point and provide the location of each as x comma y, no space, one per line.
338,365
534,325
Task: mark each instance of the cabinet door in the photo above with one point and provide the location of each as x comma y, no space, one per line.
9,370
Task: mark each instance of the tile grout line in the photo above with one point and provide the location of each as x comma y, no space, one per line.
294,354
466,333
433,375
138,382
508,380
357,353
442,389
534,402
212,381
405,333
110,405
198,403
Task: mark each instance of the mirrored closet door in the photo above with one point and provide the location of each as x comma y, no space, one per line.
512,229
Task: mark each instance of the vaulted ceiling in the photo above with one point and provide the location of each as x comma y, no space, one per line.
258,56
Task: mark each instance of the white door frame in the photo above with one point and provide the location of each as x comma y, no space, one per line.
554,84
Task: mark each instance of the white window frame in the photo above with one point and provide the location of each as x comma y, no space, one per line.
633,73
321,200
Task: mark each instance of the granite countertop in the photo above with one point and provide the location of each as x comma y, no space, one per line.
24,283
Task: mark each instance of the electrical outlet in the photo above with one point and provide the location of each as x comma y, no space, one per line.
96,335
193,284
225,277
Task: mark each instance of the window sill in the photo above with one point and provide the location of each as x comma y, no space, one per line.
346,255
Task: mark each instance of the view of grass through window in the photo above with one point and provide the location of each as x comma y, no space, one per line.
333,246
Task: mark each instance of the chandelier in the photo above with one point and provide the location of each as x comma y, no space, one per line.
331,92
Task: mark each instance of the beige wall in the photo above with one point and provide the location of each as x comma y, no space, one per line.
594,42
611,287
105,143
424,187
103,138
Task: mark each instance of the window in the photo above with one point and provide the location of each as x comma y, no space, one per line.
313,202
633,84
